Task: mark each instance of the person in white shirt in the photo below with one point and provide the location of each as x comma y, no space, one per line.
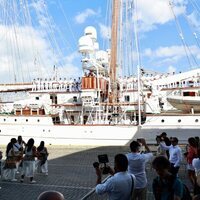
121,184
175,155
196,165
136,166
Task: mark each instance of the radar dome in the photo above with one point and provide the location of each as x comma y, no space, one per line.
85,44
91,31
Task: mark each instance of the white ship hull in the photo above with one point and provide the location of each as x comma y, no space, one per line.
179,126
65,134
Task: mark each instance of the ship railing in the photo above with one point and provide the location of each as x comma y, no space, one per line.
92,195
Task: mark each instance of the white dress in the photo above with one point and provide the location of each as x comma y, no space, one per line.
28,164
9,169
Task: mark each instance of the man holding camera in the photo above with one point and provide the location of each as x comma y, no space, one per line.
175,155
136,165
121,184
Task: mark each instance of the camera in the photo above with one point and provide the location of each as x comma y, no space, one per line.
103,159
159,138
139,140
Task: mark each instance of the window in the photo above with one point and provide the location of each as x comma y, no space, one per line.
37,98
127,98
162,120
74,99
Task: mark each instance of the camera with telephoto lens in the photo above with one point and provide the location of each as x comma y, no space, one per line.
103,159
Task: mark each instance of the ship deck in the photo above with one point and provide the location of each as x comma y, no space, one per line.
70,172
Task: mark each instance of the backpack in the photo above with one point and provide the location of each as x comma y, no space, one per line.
186,193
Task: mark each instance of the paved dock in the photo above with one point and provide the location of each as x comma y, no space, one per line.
70,172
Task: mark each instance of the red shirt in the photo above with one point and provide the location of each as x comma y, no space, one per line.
192,153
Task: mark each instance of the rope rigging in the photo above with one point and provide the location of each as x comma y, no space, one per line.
187,49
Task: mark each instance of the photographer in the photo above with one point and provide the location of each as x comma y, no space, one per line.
175,154
136,166
120,185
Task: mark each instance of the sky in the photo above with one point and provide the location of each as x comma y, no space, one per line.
36,35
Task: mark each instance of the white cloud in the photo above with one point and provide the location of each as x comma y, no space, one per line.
82,17
194,19
70,69
41,15
105,31
171,55
155,12
25,54
171,69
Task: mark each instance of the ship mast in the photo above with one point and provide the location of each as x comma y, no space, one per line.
113,60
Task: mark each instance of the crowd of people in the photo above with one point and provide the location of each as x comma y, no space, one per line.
24,158
128,179
167,184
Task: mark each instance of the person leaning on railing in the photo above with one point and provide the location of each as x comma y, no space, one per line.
121,184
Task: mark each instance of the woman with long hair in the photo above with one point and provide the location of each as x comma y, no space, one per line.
9,168
28,168
42,162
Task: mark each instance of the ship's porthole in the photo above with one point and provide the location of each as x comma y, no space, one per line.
43,130
179,121
26,120
38,120
196,120
4,120
15,120
49,131
162,120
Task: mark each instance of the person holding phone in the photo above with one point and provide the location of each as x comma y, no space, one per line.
136,166
121,184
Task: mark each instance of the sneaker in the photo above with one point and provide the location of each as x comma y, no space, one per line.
13,180
33,181
21,180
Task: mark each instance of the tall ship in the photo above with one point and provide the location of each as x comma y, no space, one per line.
103,106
